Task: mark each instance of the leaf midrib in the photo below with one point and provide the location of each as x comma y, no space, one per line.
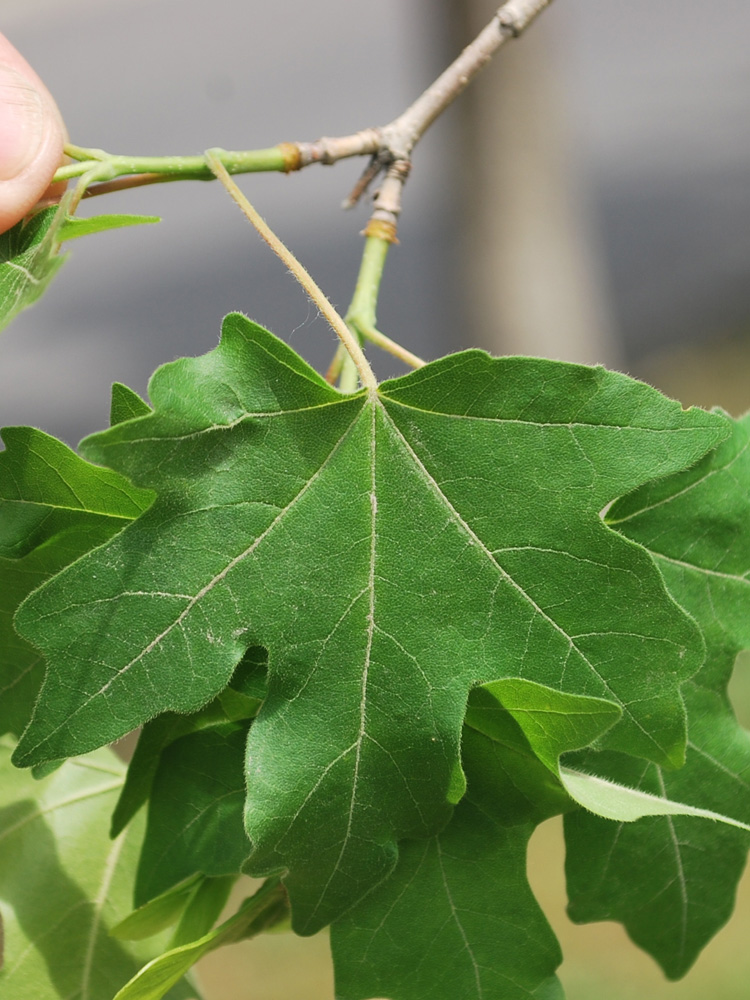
73,510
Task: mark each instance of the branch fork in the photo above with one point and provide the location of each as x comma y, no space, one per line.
389,148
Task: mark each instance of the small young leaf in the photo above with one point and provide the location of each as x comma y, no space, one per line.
530,727
552,721
159,913
195,811
153,981
29,259
611,800
74,227
203,909
358,538
671,881
30,252
63,883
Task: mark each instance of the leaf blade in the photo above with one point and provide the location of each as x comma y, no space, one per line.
274,483
73,226
54,507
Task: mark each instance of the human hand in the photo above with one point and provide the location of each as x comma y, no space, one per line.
32,135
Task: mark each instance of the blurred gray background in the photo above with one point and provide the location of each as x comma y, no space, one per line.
588,198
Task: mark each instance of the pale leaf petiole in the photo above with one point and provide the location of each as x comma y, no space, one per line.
318,297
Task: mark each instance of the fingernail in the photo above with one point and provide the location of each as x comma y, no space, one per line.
21,123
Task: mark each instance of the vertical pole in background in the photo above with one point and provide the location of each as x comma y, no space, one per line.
535,279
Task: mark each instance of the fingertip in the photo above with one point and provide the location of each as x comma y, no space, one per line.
32,137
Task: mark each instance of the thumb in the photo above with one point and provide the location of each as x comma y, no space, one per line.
31,136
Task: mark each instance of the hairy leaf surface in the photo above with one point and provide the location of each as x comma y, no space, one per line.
390,551
671,881
63,883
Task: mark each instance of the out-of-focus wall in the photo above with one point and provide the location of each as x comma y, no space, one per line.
651,106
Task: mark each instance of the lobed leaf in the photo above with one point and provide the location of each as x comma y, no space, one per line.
456,919
671,881
391,551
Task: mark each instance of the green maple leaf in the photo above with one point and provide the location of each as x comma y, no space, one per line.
671,881
390,551
54,507
63,883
